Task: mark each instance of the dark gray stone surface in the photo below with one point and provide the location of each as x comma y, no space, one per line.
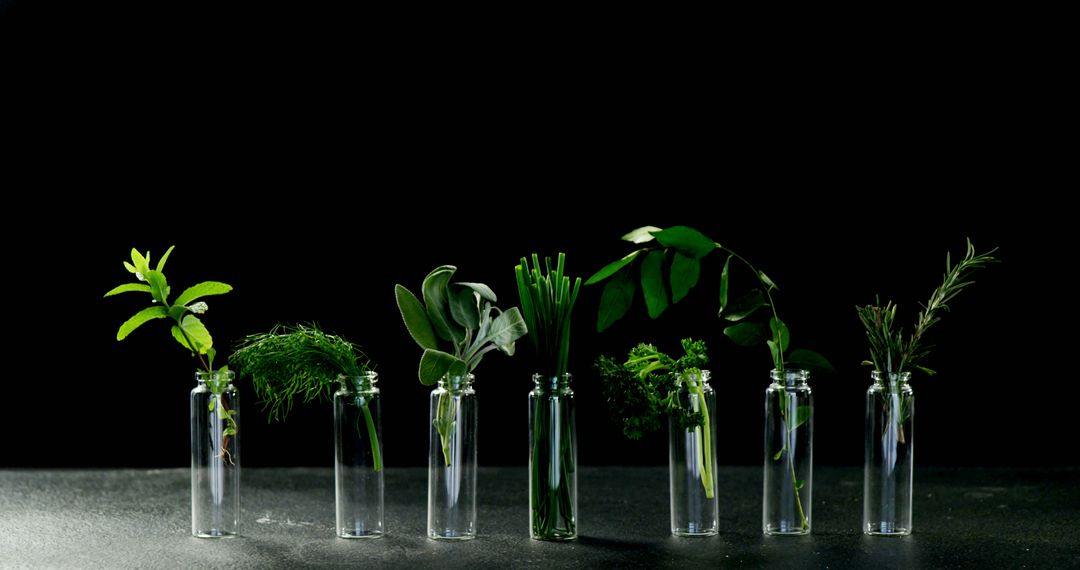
141,519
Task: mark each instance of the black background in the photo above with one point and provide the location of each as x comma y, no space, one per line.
314,170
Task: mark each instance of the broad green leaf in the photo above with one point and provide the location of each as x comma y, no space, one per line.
747,334
434,364
140,263
781,332
127,288
164,258
652,283
435,291
464,306
204,289
415,318
210,354
687,240
768,282
147,314
802,414
616,299
195,330
507,328
724,284
684,275
611,268
484,291
808,359
159,289
641,235
745,306
176,312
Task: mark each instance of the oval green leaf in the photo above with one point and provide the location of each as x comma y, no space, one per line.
745,306
780,332
415,318
652,283
687,240
159,288
464,306
196,331
643,234
808,359
434,364
724,284
747,334
613,267
436,300
684,275
768,282
616,299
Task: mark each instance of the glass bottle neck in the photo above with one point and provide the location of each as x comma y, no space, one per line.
790,378
691,380
560,382
882,379
456,383
365,382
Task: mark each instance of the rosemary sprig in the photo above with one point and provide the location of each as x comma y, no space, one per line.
890,351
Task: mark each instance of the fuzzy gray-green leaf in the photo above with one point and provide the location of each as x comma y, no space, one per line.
507,328
434,364
415,318
652,283
464,305
147,314
437,302
616,299
613,267
684,275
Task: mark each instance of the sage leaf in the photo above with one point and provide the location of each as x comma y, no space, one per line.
613,267
464,306
204,289
507,328
147,314
643,234
434,364
436,300
747,334
684,275
616,299
128,288
686,240
415,318
484,291
652,283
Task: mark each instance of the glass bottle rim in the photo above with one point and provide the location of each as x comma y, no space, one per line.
457,381
552,381
364,380
789,376
879,377
203,376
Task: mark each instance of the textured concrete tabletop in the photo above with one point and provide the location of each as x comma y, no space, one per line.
141,519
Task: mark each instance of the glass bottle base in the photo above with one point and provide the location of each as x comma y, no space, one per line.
692,533
213,534
351,534
450,536
786,531
885,529
555,537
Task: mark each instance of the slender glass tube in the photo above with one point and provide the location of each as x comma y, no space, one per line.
890,450
215,456
552,459
358,464
692,459
789,453
452,460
